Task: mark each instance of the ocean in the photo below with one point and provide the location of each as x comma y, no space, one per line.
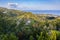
54,12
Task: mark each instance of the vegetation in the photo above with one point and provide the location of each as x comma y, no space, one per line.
19,25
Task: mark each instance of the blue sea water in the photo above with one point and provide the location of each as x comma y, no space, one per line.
54,12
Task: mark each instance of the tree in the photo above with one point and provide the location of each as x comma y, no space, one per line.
31,37
8,37
52,35
41,36
58,35
13,37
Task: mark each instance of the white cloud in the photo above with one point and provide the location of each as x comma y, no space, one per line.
25,6
12,5
39,7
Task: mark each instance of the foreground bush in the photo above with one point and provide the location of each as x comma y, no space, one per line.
8,37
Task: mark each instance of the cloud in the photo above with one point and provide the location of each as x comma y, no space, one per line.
39,6
30,6
12,5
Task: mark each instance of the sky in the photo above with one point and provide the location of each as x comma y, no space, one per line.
31,4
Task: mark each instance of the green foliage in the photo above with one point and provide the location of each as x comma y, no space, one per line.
12,37
13,26
48,35
8,37
31,38
58,35
52,35
41,36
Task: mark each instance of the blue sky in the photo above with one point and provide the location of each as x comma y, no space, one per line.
31,4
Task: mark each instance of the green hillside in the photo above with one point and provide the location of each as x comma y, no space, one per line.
20,25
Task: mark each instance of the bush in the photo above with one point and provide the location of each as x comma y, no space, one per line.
8,37
31,38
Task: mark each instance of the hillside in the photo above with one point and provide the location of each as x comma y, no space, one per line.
20,25
18,14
